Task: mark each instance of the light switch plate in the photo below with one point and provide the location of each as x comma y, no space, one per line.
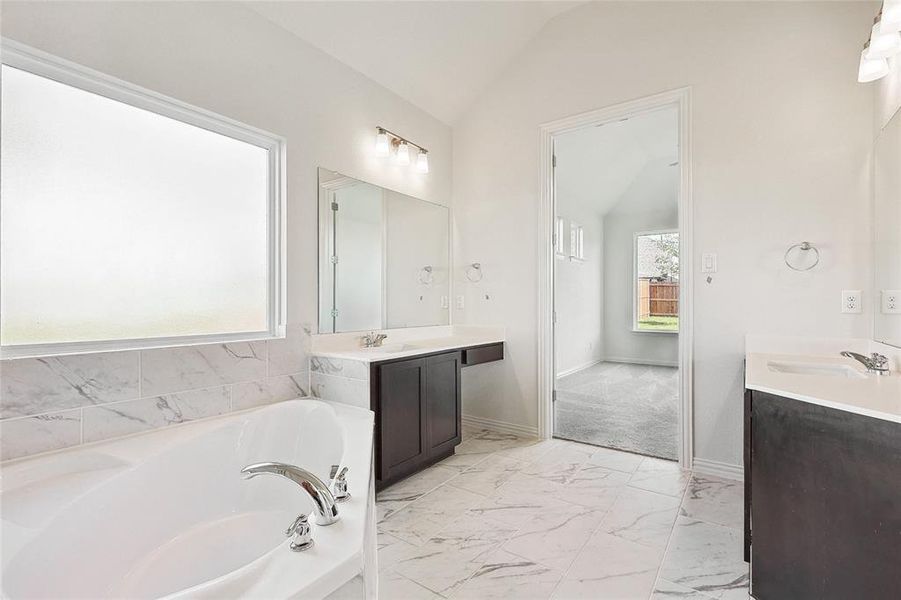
708,262
851,302
891,302
461,302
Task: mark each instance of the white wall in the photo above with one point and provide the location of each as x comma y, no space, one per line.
888,94
579,292
781,134
648,205
230,60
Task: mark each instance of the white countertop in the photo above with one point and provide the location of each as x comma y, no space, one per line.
831,380
402,343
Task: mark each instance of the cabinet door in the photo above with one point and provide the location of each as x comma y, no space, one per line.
443,402
402,418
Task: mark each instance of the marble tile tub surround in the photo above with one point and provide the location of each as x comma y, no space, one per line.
340,380
514,517
56,402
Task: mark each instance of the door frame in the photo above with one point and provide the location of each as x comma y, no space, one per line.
680,98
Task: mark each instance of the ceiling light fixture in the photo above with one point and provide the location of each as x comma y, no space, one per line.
871,69
386,140
883,44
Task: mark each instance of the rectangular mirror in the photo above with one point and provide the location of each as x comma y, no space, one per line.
887,229
384,257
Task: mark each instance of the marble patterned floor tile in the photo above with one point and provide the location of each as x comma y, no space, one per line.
447,560
531,449
611,567
642,516
661,476
667,590
505,575
489,441
394,586
555,537
417,485
427,516
392,549
134,416
595,487
488,475
616,460
562,463
461,462
715,500
522,497
33,386
708,558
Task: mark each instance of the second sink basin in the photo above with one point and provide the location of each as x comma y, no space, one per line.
821,369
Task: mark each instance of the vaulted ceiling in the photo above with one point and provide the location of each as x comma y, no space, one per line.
438,55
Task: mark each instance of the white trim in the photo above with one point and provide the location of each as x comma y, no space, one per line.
546,212
38,62
499,426
703,466
640,361
587,365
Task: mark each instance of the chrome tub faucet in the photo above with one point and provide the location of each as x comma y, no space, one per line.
324,505
875,363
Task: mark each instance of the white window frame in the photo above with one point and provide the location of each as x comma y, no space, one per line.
576,242
559,230
46,65
635,237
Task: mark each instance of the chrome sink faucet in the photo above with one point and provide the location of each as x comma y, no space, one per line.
373,340
324,505
875,363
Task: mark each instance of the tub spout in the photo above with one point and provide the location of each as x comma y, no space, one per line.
325,509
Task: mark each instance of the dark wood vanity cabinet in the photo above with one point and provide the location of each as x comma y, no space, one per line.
822,501
417,407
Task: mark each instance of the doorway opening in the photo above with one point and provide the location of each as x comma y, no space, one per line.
615,352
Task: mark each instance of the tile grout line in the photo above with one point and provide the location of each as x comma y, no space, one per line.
669,538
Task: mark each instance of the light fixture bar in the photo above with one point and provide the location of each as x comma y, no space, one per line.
401,138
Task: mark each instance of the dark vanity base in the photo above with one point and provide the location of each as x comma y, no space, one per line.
417,409
823,493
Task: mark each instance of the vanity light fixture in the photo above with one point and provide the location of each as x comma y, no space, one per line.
386,140
422,161
871,69
403,154
883,44
382,144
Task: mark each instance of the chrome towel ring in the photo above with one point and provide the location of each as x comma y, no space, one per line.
804,249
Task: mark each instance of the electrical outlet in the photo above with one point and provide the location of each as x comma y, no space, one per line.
444,302
708,262
461,302
851,302
891,302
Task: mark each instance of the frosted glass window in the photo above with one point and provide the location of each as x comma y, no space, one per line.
120,223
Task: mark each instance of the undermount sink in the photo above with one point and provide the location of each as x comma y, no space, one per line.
822,369
391,348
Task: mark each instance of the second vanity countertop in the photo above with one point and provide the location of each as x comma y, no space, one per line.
406,343
831,381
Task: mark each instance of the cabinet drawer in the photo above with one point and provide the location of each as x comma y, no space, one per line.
483,354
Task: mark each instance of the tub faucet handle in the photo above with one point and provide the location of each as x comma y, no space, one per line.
339,483
303,534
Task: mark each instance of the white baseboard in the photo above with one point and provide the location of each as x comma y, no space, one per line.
499,426
587,365
641,361
702,466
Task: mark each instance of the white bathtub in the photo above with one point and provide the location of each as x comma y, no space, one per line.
168,514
